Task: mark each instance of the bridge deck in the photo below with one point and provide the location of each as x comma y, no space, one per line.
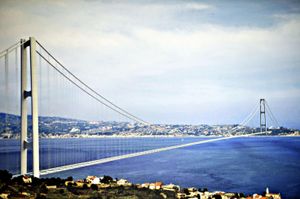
120,157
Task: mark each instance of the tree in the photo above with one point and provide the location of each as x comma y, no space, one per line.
18,180
217,196
186,191
106,179
44,189
39,196
59,181
70,178
36,181
94,187
84,186
5,176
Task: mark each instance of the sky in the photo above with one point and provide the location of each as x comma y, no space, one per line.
179,62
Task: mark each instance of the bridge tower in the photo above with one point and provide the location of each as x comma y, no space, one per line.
29,45
262,116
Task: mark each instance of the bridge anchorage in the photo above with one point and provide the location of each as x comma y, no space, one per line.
29,79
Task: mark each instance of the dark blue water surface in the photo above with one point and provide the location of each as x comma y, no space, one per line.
248,164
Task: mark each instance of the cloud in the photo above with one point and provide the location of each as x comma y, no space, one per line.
166,56
198,6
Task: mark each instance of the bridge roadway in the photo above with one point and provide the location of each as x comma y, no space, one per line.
131,155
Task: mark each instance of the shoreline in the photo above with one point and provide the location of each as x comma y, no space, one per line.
27,186
150,136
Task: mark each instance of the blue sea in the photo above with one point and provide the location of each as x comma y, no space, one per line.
247,164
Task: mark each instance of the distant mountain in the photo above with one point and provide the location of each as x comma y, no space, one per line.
65,127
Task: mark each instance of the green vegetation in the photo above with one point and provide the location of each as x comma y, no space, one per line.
19,187
103,188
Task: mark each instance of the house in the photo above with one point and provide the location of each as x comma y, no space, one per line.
171,187
51,186
79,183
69,182
158,185
27,179
257,196
93,180
25,194
123,182
229,195
273,195
145,185
152,186
181,195
204,195
4,195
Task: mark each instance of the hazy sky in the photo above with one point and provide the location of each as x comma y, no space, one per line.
184,61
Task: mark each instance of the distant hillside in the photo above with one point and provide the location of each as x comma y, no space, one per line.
58,126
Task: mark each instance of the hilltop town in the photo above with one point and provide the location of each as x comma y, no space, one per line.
107,187
53,127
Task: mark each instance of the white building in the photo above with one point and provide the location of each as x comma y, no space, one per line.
93,180
123,182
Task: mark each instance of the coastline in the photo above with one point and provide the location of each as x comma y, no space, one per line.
95,187
148,136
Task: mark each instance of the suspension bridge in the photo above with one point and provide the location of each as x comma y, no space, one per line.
30,73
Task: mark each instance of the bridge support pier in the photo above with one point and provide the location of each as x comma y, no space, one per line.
23,108
34,107
262,118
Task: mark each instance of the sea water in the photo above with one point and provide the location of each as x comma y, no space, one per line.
246,164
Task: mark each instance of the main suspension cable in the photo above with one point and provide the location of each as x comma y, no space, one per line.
81,88
95,92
